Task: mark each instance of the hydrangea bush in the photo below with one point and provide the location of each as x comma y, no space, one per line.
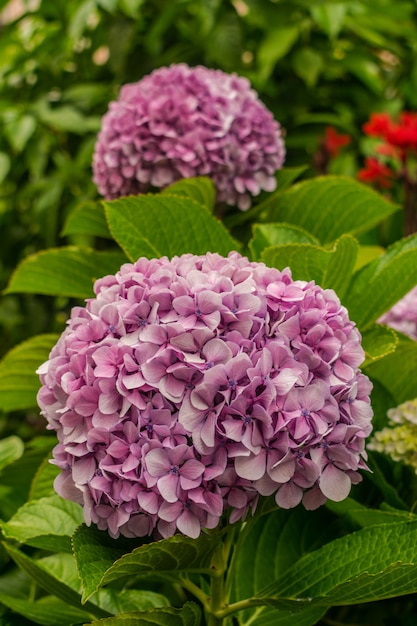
183,121
188,387
199,396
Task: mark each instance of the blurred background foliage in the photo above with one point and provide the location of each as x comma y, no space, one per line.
314,63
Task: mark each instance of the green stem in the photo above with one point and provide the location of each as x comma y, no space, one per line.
196,591
216,600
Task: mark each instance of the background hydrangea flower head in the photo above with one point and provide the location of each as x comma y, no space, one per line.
188,387
182,121
403,315
399,439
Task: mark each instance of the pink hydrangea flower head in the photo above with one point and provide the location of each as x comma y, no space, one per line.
403,315
182,121
188,388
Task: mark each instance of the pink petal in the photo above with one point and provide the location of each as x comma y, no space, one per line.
334,483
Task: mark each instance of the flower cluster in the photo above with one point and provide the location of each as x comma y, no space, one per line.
403,315
188,387
399,439
399,142
180,122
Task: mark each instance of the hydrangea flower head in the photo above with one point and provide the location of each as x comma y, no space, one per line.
403,315
399,439
189,387
182,121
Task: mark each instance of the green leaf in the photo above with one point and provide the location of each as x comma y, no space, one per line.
378,341
18,131
285,178
380,284
306,261
330,17
5,164
87,219
158,225
19,382
43,480
201,189
329,268
120,601
308,65
11,449
68,271
188,615
49,583
363,516
46,523
273,47
402,362
266,235
374,563
95,552
330,206
341,265
67,118
267,616
266,548
16,480
96,558
48,611
366,254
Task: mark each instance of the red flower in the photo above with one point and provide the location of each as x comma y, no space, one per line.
376,172
378,125
333,141
402,134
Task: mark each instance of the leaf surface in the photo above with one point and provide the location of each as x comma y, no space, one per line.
67,271
159,225
330,206
19,382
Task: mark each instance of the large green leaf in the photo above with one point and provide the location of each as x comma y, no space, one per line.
364,516
267,616
267,547
330,268
51,584
42,484
397,372
379,285
188,615
67,271
378,341
19,382
87,219
16,481
100,561
46,523
158,225
306,261
200,188
330,206
122,600
266,235
48,611
371,564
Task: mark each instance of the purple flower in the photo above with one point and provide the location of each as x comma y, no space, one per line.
187,388
403,315
185,121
